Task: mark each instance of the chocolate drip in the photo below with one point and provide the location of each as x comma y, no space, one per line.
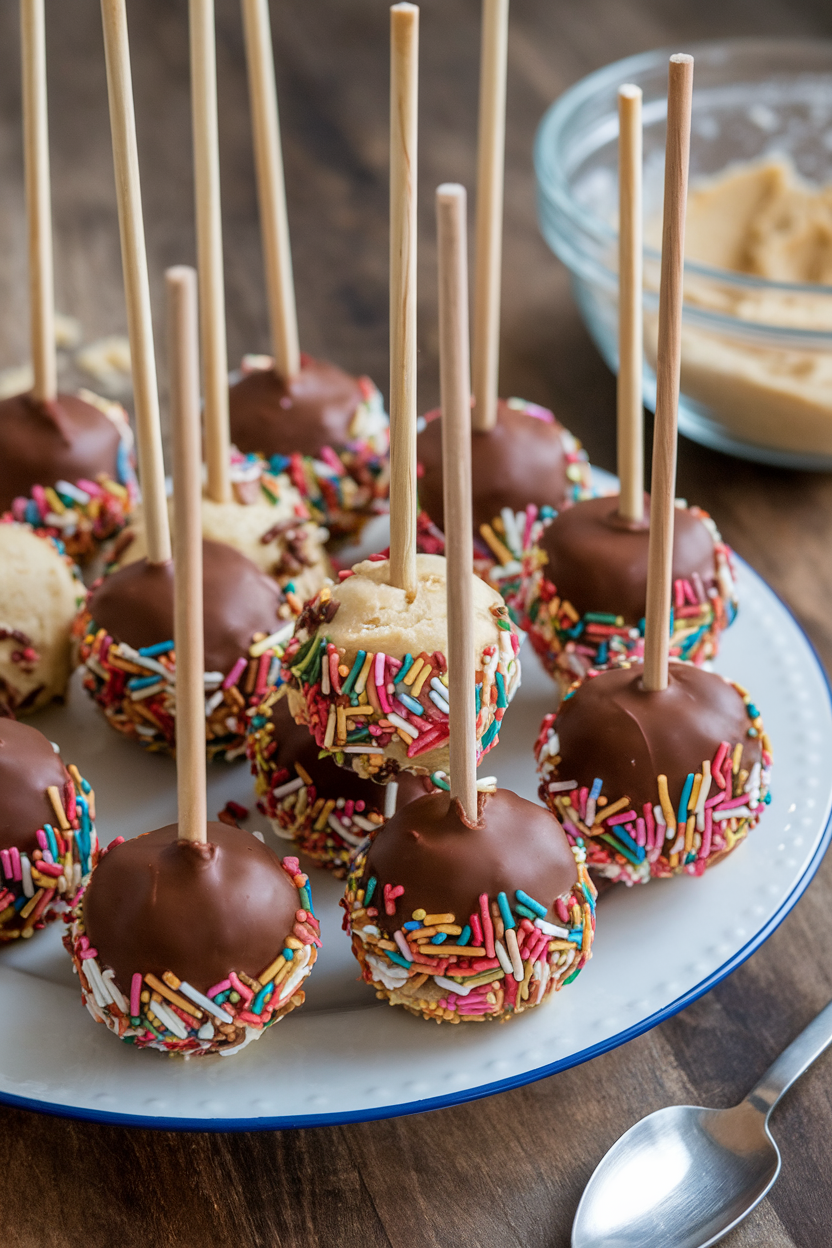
42,443
444,864
135,604
613,729
520,461
28,767
598,562
272,416
157,904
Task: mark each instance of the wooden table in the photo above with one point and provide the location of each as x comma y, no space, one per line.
508,1170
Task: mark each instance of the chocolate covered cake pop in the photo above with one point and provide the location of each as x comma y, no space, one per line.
48,844
584,587
655,783
66,468
462,921
327,810
527,460
126,644
40,592
368,675
193,948
326,430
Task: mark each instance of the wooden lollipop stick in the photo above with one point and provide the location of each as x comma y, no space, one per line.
183,361
38,200
404,106
209,247
490,177
669,357
456,468
271,188
136,285
630,410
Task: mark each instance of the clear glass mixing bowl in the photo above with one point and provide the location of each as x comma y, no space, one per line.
756,354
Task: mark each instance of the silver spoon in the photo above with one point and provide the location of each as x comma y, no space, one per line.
685,1176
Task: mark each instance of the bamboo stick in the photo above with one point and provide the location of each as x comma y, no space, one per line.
38,199
183,360
669,356
630,408
456,468
136,285
404,91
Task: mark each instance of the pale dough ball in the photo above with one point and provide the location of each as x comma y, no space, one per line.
39,597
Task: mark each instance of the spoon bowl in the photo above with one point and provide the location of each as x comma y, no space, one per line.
647,1191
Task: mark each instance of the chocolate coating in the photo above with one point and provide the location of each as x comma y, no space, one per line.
135,604
43,443
444,864
614,729
271,416
157,904
598,562
295,744
28,766
520,461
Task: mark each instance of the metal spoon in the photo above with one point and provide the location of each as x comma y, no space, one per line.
685,1176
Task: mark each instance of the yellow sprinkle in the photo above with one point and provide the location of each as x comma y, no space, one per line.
554,607
320,822
329,735
360,684
30,904
735,766
408,740
419,682
611,810
54,501
569,610
58,806
418,915
341,728
271,971
667,809
499,549
414,672
307,779
689,827
366,709
433,920
694,793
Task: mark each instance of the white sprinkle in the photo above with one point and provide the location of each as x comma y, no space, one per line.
213,702
168,1019
562,786
437,701
391,793
503,958
205,1003
366,824
291,786
551,929
404,724
339,829
26,870
461,990
399,938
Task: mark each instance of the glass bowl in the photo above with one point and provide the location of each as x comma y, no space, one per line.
756,354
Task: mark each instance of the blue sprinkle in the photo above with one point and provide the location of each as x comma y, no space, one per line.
505,910
576,933
32,514
261,998
407,663
490,735
685,798
595,791
86,787
371,888
221,997
539,909
143,682
53,844
411,926
588,894
274,671
752,711
397,957
21,902
603,651
123,466
767,799
161,647
438,939
524,911
478,697
502,700
288,954
353,676
410,703
465,935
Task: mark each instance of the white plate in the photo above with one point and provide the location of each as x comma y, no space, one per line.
345,1056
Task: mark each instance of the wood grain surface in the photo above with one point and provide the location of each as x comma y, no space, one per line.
509,1170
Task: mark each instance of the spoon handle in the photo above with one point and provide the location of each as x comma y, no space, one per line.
792,1062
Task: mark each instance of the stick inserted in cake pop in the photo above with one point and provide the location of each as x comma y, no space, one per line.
630,410
183,363
38,205
456,449
404,103
209,247
668,365
490,178
271,188
136,285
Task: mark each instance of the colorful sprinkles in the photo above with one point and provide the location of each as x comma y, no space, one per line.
356,705
34,889
169,1014
572,645
137,688
500,960
341,488
87,514
720,802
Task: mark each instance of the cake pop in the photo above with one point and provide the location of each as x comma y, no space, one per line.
583,584
40,592
48,844
309,418
65,459
658,768
466,906
327,810
193,938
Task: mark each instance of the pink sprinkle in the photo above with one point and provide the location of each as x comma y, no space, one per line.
699,587
17,870
292,865
40,837
239,986
329,457
89,487
5,858
531,516
391,892
349,807
334,678
135,994
235,673
69,801
651,825
218,988
641,833
378,676
563,913
583,794
716,765
263,673
345,573
678,594
118,841
734,801
705,847
50,868
5,898
377,558
625,816
487,925
476,928
88,953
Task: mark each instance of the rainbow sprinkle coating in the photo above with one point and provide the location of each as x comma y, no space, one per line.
136,688
719,803
328,830
497,962
33,890
355,705
167,1013
571,646
84,516
341,488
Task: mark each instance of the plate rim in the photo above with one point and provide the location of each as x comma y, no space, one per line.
466,1095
